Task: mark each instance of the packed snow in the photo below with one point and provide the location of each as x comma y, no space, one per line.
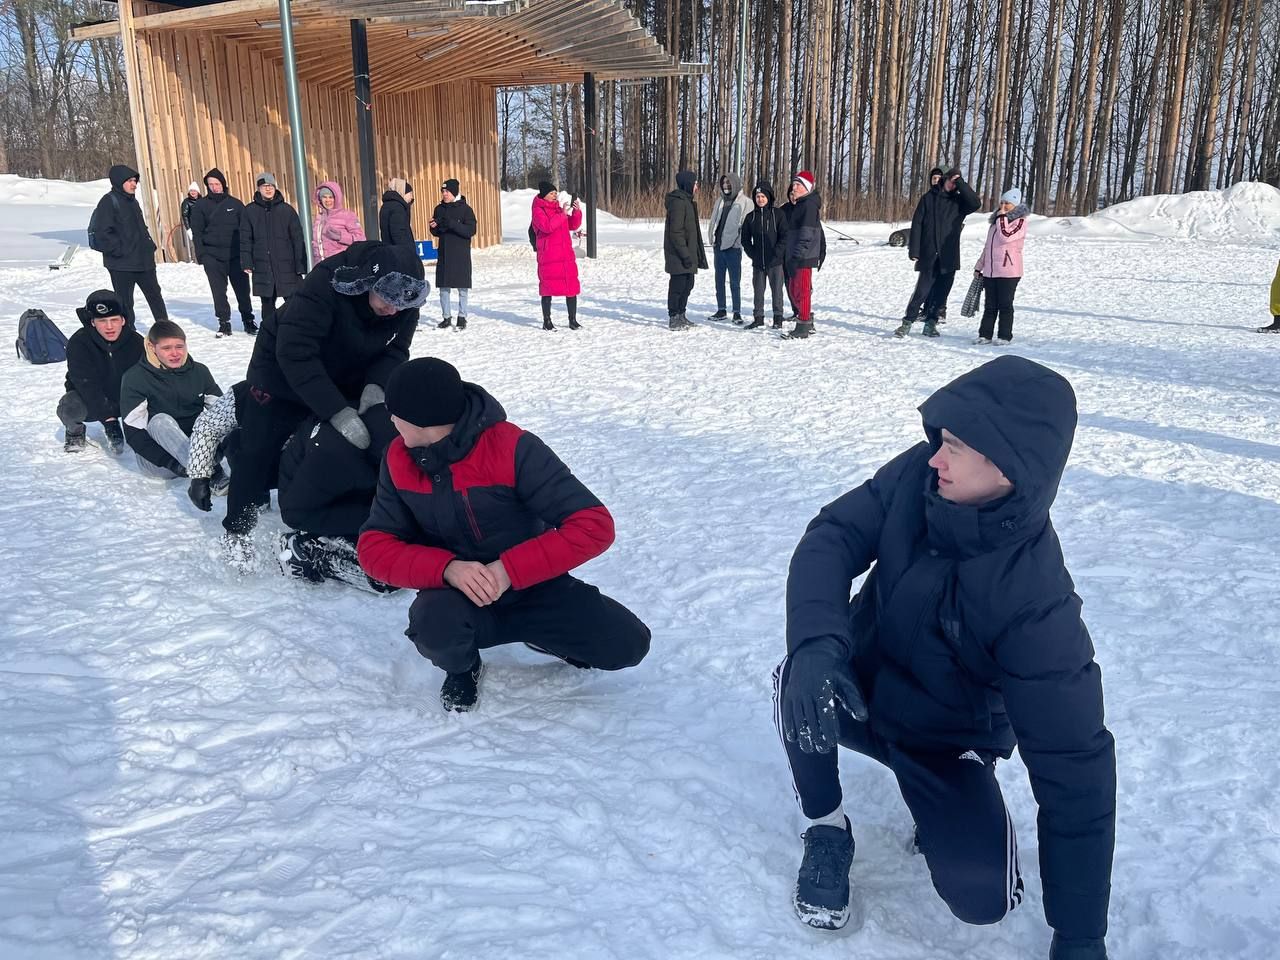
200,764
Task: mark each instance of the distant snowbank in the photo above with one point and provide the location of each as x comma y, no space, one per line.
19,190
518,204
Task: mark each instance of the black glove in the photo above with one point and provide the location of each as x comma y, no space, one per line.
1066,948
818,683
198,491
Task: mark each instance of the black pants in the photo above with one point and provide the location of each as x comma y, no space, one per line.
269,308
678,289
998,299
570,304
965,832
123,282
219,273
563,616
933,286
72,411
777,284
264,428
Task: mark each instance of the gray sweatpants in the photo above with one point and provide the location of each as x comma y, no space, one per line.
166,432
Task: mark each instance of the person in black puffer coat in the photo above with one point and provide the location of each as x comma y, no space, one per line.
215,231
97,358
934,247
118,230
964,641
454,224
393,219
806,249
271,246
682,248
764,238
328,354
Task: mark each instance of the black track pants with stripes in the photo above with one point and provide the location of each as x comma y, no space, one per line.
965,831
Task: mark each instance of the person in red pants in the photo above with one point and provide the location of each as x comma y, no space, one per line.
806,250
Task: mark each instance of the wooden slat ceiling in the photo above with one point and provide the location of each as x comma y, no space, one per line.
499,42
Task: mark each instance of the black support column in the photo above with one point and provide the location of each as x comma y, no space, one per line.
364,128
591,143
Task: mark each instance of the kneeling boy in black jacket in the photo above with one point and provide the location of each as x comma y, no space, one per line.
97,358
964,641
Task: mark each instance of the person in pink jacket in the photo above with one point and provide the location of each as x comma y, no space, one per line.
557,264
335,227
1001,265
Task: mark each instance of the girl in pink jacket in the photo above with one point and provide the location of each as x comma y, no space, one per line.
557,264
1001,265
335,227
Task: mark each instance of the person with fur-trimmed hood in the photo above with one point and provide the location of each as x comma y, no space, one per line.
272,247
328,354
485,522
97,358
727,213
764,238
215,230
682,248
394,225
934,247
806,250
1000,266
964,641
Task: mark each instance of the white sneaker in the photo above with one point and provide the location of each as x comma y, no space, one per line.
982,341
1004,341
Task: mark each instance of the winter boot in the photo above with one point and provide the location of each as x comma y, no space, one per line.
1004,341
224,329
1273,327
569,660
462,323
678,321
445,323
756,323
903,329
777,321
803,329
574,324
822,888
460,691
75,442
719,315
930,329
547,324
982,341
737,318
250,327
115,437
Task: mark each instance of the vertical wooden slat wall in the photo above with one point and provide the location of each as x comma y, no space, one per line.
210,102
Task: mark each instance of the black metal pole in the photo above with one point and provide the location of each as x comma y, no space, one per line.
364,127
590,142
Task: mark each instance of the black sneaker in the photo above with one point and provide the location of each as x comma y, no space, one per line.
822,887
75,442
719,315
581,665
224,329
445,323
115,437
777,321
250,327
460,691
737,318
462,323
755,324
219,481
1273,327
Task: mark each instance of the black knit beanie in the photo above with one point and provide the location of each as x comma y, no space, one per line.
545,187
452,186
426,392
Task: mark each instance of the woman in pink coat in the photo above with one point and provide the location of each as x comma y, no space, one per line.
335,227
1001,265
557,264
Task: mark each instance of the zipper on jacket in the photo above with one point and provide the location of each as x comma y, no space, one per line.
471,517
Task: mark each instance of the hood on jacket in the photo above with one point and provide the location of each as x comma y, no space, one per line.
480,412
735,183
150,359
1021,416
216,174
337,194
685,180
1020,212
391,195
119,174
765,187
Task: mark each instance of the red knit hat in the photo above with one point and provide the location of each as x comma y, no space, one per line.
805,177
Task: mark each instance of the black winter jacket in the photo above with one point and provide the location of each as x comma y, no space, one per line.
455,226
215,224
119,230
966,633
95,367
764,233
271,244
936,226
393,221
149,389
323,347
682,236
806,240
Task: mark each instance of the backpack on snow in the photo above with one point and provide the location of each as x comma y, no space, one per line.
39,339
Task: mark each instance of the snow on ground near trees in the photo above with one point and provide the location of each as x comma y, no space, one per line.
197,764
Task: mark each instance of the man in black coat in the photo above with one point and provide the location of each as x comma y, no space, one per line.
935,247
393,219
328,354
453,224
764,238
215,231
682,250
97,358
964,641
806,250
119,232
271,245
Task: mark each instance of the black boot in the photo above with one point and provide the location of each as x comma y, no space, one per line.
462,323
250,327
224,329
115,437
930,329
903,328
804,329
756,323
460,691
547,324
574,324
822,887
1273,327
678,321
777,321
444,324
75,441
737,318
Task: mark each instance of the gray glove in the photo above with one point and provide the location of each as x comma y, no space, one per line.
348,423
371,396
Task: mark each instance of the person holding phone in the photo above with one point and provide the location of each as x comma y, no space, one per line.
557,263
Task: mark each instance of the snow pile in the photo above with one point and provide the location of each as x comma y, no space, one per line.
19,190
1244,213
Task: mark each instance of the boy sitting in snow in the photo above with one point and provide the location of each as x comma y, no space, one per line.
97,358
485,522
964,641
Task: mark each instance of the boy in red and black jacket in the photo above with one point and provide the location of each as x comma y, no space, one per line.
485,522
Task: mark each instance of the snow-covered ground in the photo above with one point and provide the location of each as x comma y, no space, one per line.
200,765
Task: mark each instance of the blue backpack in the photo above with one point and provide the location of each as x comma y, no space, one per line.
39,339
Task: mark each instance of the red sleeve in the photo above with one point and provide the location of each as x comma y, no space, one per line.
583,536
391,560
